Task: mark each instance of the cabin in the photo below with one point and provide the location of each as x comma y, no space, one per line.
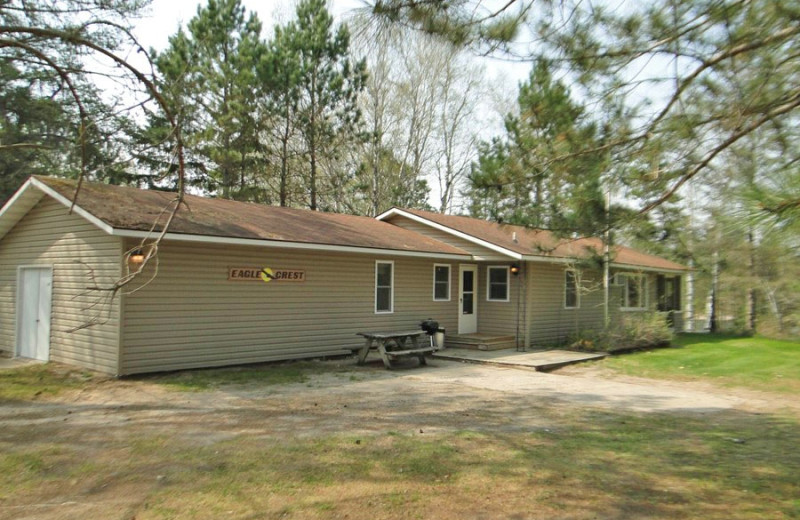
235,283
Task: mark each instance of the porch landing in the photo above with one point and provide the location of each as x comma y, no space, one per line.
539,360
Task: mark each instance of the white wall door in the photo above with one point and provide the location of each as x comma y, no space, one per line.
34,299
467,299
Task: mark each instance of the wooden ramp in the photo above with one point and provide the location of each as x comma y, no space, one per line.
479,341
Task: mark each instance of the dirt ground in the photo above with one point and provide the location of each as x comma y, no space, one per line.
445,396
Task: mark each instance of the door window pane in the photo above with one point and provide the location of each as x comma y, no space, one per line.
468,281
467,304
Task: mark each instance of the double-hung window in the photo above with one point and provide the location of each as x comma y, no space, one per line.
634,291
572,296
441,282
497,283
384,286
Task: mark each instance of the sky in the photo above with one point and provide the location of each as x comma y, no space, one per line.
166,15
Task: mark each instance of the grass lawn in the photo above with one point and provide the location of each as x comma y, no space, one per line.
157,461
41,380
756,363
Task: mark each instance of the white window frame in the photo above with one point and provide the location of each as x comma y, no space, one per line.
622,280
489,269
577,278
449,284
391,287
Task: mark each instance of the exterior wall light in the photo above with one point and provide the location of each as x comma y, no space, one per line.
136,257
515,269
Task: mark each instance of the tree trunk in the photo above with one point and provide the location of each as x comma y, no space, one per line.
689,326
713,325
607,261
312,142
750,311
284,161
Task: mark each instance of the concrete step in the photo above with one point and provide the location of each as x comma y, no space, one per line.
480,342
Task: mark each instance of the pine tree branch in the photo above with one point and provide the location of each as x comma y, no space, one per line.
787,107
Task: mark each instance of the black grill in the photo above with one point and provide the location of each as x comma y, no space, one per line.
429,326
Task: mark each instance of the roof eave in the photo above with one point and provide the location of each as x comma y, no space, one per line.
311,246
632,267
613,265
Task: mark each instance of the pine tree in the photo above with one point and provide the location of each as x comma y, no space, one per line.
209,72
329,84
517,179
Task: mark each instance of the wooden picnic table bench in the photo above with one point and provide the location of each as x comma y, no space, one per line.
392,345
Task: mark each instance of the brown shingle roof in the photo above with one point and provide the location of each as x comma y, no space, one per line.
536,242
134,209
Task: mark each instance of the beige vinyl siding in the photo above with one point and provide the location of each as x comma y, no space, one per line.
190,315
498,317
479,252
548,320
49,236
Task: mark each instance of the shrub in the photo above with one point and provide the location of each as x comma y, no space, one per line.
633,331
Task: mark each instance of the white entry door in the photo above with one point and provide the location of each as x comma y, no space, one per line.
467,299
34,298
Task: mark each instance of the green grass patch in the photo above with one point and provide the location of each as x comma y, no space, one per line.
589,464
753,362
40,380
298,372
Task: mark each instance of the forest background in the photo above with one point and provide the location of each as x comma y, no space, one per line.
668,126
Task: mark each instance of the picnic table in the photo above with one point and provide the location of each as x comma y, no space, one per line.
392,345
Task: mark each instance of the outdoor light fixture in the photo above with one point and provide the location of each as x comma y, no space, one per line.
515,269
136,257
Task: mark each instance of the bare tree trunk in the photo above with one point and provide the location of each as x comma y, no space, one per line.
750,310
689,325
712,324
607,260
284,162
312,144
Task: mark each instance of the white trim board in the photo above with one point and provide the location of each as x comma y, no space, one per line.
255,242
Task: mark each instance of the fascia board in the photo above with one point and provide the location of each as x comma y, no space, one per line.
206,239
612,265
549,259
634,268
450,231
11,212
